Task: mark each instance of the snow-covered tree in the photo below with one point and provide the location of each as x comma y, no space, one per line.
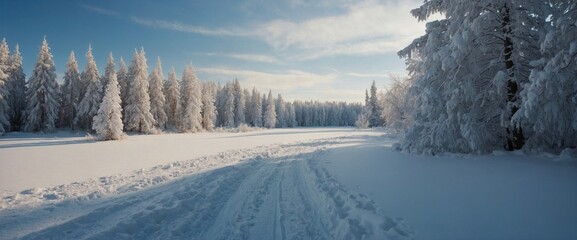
291,115
137,116
108,122
270,113
255,109
5,111
110,66
191,101
397,104
247,99
70,93
157,99
173,112
16,89
4,54
367,99
239,103
550,97
374,108
208,107
281,119
42,94
88,106
469,72
122,77
227,106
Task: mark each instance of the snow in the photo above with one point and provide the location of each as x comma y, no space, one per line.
304,183
47,156
503,195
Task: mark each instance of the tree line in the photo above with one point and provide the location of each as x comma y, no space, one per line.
131,99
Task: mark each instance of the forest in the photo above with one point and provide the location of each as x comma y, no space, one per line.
132,100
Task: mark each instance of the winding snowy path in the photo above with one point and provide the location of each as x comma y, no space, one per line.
282,194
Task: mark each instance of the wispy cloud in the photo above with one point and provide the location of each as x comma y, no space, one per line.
281,81
246,57
365,28
181,27
256,58
368,27
100,10
368,75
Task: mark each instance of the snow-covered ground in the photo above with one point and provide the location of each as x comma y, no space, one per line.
312,183
36,160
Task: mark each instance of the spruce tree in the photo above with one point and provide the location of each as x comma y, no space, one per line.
70,93
228,107
137,116
239,104
374,108
108,122
270,113
5,111
291,115
256,108
122,77
280,112
191,120
16,90
208,107
88,106
42,94
173,100
157,99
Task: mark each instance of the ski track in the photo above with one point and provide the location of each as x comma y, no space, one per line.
282,194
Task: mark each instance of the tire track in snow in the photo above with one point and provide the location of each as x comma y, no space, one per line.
278,196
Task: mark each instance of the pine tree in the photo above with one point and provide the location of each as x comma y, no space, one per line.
17,90
191,101
88,106
256,108
4,54
42,94
280,112
137,116
247,99
228,107
70,93
264,105
291,115
108,122
270,113
239,104
208,107
5,111
367,99
173,100
157,99
122,77
374,108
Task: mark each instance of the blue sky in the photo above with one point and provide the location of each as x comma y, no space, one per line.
303,49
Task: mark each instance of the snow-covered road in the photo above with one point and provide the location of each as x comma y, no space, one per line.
282,194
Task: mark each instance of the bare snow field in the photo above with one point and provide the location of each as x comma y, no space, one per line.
304,183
